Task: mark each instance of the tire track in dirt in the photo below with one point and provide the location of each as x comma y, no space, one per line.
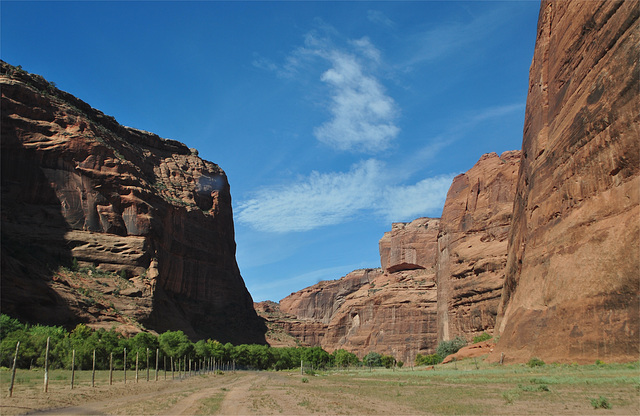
235,401
190,405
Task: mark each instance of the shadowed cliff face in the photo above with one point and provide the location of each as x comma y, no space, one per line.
573,269
76,184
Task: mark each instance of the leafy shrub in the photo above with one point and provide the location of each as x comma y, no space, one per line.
535,362
305,380
400,364
482,337
388,361
601,403
431,359
450,347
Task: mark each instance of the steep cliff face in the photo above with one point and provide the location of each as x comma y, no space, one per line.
573,269
472,245
390,310
148,222
394,314
321,301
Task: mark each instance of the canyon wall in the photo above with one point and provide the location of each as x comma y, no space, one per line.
573,269
472,245
391,310
143,225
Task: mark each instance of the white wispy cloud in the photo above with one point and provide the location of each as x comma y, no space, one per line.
317,200
323,199
362,116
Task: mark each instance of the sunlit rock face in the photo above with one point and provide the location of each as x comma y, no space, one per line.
390,311
573,269
472,245
76,184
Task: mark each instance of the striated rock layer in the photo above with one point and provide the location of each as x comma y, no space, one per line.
573,269
390,310
77,185
472,245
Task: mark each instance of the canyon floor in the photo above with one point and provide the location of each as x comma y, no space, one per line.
458,388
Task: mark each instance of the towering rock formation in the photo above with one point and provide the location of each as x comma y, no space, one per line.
149,221
472,245
390,310
573,269
409,246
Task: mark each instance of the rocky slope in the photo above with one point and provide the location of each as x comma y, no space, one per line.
472,245
573,269
148,222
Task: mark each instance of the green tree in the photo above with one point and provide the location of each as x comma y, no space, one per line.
316,356
344,358
139,344
388,361
373,359
9,325
175,344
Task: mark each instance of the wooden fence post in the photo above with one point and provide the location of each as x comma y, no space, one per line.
147,364
73,367
137,356
13,369
172,369
110,368
93,370
46,367
125,365
164,367
157,357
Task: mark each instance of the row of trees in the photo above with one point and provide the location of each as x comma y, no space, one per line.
172,344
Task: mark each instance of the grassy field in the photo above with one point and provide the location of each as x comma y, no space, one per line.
460,388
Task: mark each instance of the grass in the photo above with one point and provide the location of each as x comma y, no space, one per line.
211,404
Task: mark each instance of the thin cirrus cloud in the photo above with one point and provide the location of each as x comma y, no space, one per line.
376,16
318,200
323,199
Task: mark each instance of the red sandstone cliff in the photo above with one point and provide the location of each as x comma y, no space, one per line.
472,245
390,310
573,269
76,184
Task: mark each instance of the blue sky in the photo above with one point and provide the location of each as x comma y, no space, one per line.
331,119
